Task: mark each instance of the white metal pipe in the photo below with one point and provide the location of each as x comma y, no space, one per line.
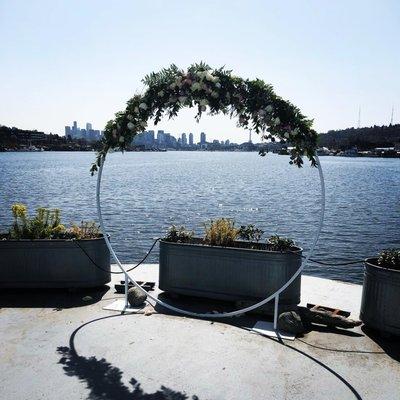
126,290
214,315
276,312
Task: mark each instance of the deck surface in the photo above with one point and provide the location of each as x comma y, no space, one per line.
62,345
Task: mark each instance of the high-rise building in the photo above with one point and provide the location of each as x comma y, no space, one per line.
161,138
75,130
202,138
184,139
190,139
68,131
88,126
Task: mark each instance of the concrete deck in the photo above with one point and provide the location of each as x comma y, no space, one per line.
61,345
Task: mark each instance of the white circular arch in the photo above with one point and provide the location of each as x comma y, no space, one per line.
225,314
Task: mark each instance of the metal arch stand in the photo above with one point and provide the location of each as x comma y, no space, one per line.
274,296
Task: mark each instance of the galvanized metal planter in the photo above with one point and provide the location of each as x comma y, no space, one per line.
228,273
381,298
53,263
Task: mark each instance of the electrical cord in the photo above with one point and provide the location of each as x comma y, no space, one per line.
330,263
118,272
152,246
335,264
340,350
313,345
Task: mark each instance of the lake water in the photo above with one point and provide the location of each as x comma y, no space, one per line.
144,193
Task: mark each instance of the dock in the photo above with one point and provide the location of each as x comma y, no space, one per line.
59,344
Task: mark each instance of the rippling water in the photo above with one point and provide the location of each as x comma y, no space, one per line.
144,193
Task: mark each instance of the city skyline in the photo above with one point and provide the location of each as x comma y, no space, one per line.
87,133
149,139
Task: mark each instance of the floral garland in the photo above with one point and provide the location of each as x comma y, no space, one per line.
218,91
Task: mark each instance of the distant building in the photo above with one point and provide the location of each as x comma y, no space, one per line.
184,140
191,139
144,139
202,138
161,139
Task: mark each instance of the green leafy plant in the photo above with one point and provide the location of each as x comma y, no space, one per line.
46,224
250,233
277,243
86,230
178,235
221,232
389,258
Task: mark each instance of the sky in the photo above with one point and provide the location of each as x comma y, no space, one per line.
62,61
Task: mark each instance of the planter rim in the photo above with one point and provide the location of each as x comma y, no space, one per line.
372,262
48,240
297,249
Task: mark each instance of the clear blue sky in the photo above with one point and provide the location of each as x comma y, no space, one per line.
81,60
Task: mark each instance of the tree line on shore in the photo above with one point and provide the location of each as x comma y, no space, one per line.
365,138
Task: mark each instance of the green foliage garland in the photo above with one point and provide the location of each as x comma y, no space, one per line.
253,102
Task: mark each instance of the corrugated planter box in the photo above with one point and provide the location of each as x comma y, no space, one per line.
53,263
381,298
228,273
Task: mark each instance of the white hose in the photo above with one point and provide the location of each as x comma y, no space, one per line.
214,315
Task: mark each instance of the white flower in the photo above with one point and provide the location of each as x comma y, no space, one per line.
268,108
261,113
143,124
136,110
203,108
143,106
203,102
214,94
131,126
294,132
182,99
130,117
277,121
218,85
161,93
121,139
209,77
172,86
201,74
287,135
195,86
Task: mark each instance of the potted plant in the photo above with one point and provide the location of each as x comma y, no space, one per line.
228,263
40,252
381,292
